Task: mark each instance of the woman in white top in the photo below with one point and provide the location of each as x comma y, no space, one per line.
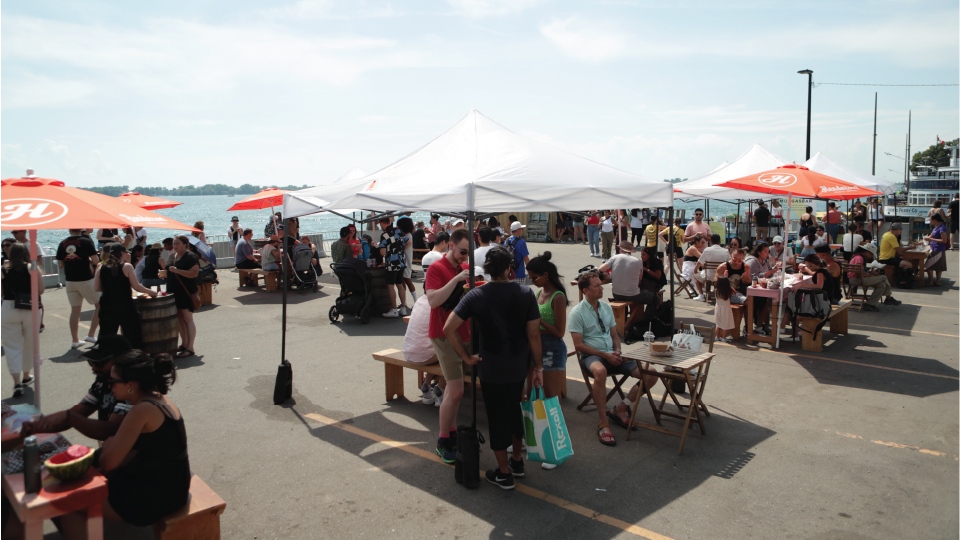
607,233
851,240
636,225
875,215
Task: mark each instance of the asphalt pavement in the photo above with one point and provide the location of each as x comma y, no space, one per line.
859,441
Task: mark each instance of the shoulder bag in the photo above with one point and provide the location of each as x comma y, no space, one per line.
194,296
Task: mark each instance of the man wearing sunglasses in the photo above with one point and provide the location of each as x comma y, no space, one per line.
697,227
594,332
99,398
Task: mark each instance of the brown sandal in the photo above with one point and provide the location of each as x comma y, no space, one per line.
611,440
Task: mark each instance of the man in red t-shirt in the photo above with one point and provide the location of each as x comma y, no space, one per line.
441,281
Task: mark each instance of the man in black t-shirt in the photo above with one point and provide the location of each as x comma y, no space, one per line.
78,257
954,216
762,215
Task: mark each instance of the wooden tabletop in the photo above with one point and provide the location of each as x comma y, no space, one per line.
682,358
55,498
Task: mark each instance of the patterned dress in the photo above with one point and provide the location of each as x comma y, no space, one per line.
724,314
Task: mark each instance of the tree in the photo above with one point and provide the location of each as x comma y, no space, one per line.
935,156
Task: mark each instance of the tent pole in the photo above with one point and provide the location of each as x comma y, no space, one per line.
35,314
673,270
283,283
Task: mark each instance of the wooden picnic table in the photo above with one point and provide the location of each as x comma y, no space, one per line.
774,296
918,258
686,361
57,498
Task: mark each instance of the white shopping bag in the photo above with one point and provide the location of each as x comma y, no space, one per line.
687,339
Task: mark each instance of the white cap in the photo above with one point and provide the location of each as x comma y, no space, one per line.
516,225
777,239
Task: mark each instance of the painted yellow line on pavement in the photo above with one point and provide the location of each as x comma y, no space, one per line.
904,330
526,490
897,445
85,325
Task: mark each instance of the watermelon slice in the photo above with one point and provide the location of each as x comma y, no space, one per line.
70,464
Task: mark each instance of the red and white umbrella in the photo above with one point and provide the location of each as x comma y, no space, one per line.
148,202
267,198
32,203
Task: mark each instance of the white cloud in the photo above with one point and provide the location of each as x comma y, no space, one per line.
32,90
99,166
584,41
492,8
58,154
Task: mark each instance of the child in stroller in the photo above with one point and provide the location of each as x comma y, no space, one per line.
356,295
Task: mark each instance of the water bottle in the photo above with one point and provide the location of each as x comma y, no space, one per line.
31,465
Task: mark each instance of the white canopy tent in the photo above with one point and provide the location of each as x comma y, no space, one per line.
755,160
480,166
355,173
824,165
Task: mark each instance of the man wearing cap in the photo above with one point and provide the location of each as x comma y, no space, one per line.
890,249
520,251
234,231
99,398
78,257
777,253
625,273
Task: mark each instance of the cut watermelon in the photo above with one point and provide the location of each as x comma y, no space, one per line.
70,464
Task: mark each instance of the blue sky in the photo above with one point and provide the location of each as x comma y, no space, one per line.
195,92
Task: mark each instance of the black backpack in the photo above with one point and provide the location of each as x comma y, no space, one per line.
208,274
903,278
514,263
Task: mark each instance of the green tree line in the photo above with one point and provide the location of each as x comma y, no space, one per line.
182,191
935,156
674,180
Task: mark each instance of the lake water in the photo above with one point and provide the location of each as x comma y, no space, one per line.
212,210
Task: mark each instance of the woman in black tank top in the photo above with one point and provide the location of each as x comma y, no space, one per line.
156,481
115,280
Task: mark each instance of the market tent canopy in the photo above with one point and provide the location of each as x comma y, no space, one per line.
824,165
148,202
43,203
355,173
755,160
478,165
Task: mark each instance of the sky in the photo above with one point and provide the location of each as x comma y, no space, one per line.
185,92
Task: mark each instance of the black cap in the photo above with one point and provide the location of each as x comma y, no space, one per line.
108,347
235,218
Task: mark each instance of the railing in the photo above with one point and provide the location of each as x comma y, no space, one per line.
227,259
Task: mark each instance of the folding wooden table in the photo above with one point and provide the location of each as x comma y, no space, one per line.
685,360
57,498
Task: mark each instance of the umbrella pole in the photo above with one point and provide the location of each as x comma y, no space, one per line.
783,270
283,283
673,269
35,314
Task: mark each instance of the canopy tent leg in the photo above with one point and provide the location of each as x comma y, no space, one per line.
35,314
284,269
673,271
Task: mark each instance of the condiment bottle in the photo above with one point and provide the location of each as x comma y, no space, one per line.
31,465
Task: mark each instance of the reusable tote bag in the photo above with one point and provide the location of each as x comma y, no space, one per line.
548,440
687,339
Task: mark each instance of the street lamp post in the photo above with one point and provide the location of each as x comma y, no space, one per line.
809,74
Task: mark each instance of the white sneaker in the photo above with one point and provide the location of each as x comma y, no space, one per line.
77,345
428,397
701,298
438,395
548,466
414,293
90,339
392,314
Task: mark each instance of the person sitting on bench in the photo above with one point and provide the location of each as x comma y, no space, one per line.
890,249
269,254
626,271
245,259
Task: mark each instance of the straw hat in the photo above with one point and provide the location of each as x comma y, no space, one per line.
627,246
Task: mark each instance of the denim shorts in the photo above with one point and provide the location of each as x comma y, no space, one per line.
625,368
554,352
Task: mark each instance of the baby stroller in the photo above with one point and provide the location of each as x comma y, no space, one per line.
356,295
303,271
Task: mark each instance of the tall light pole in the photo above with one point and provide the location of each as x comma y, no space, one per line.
809,74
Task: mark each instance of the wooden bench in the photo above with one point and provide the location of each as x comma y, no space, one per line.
393,364
838,325
198,520
738,312
418,254
621,311
253,275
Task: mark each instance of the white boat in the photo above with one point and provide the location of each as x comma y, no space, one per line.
927,185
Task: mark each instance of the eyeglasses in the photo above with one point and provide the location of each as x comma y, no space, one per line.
464,251
112,382
698,214
600,322
738,259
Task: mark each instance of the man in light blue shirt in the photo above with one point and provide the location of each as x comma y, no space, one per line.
594,332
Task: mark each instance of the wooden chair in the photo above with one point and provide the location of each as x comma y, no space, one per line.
686,286
709,267
852,291
669,377
587,376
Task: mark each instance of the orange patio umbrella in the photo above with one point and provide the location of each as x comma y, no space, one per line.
148,202
267,198
798,180
32,203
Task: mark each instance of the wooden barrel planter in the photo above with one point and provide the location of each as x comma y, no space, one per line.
158,323
378,279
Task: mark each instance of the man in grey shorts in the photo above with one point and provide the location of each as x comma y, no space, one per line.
77,255
594,332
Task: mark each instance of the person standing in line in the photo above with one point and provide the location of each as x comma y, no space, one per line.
434,230
79,258
651,233
832,220
443,278
199,234
105,236
579,237
697,227
185,266
875,215
520,251
636,225
405,224
954,215
762,217
115,279
16,324
391,250
607,234
807,221
234,232
486,235
508,323
938,238
776,215
593,234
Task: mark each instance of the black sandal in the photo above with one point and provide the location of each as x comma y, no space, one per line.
188,354
612,415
